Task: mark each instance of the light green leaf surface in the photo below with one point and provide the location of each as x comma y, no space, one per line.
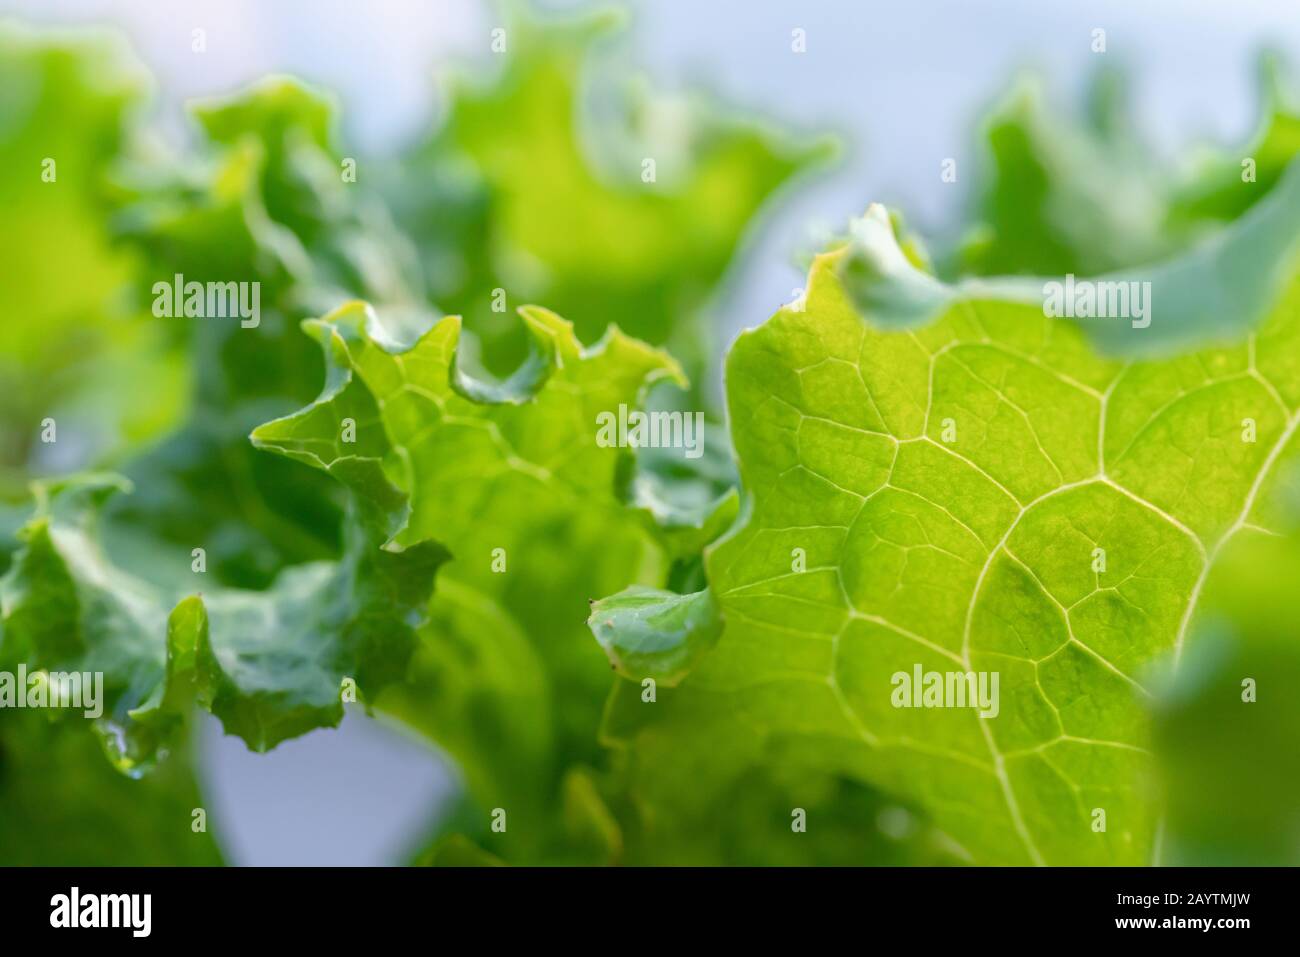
936,496
477,686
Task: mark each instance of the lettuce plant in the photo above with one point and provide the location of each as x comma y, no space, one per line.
390,491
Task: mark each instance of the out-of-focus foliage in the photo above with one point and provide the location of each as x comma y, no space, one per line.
70,337
521,190
1088,194
1212,193
62,804
1227,721
1063,196
265,201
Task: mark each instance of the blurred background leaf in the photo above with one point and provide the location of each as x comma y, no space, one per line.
1227,723
70,338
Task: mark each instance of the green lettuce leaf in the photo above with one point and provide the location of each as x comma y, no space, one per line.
686,501
270,665
266,201
510,478
951,481
656,634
